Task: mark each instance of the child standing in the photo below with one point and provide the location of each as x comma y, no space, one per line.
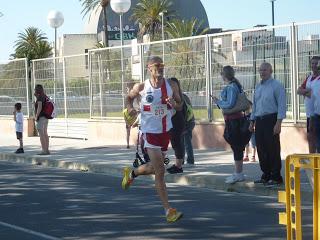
18,118
252,142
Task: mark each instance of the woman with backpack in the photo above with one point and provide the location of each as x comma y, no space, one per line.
41,118
237,137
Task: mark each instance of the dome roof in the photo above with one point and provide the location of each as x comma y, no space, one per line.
186,9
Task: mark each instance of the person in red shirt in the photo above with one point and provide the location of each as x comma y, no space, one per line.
305,90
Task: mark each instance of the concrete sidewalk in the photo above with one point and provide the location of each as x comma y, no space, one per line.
210,169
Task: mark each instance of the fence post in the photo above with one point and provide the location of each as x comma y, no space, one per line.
142,63
208,76
90,84
33,76
100,84
64,87
294,73
28,70
316,192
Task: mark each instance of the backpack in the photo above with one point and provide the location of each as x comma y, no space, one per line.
189,112
187,109
49,108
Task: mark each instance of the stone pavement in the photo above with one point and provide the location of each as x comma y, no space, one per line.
210,169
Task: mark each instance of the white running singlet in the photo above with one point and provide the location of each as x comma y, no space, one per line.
155,112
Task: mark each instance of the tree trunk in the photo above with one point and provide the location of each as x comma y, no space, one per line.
105,26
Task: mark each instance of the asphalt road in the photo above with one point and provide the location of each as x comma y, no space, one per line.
48,203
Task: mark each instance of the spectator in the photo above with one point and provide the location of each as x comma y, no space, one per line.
269,109
129,120
41,119
18,118
176,135
251,144
233,133
190,124
305,90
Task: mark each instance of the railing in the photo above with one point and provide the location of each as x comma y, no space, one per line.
93,86
14,86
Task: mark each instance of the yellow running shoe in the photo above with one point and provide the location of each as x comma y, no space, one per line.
173,215
126,181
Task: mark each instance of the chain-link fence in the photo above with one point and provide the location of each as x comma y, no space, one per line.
93,85
245,51
109,84
307,45
66,81
14,86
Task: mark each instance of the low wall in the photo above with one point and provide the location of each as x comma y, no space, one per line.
205,135
7,126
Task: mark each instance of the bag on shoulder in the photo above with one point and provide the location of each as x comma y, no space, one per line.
242,104
187,109
49,108
189,112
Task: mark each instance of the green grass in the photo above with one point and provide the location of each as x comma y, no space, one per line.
200,114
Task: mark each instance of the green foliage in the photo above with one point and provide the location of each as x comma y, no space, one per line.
32,44
146,15
179,29
79,86
89,5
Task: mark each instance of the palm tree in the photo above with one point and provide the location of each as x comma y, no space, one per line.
179,28
32,44
187,54
146,15
90,5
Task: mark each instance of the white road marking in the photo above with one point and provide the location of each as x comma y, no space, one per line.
44,236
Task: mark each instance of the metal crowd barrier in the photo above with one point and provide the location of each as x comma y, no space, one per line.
292,195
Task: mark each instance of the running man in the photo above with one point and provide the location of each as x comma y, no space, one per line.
159,98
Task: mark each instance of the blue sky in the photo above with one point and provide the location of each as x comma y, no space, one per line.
226,14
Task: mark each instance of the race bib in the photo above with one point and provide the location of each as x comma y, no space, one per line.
159,110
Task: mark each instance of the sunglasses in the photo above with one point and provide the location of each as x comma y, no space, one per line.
156,65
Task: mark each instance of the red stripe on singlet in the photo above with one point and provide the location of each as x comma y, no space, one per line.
164,96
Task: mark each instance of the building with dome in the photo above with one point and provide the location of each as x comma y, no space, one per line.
185,9
70,44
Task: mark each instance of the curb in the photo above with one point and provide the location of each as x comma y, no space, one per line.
185,179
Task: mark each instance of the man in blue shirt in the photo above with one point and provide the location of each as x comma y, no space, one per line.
269,109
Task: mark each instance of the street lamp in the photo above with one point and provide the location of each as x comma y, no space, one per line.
162,33
273,32
121,7
55,19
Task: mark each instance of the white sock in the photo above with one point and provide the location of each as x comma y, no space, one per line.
166,211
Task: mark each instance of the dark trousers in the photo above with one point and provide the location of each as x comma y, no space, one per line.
268,147
316,120
187,139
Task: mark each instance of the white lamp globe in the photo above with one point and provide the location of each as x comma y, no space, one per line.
120,6
55,19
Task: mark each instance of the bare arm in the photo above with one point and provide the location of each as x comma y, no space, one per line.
38,110
176,100
14,115
135,92
303,91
